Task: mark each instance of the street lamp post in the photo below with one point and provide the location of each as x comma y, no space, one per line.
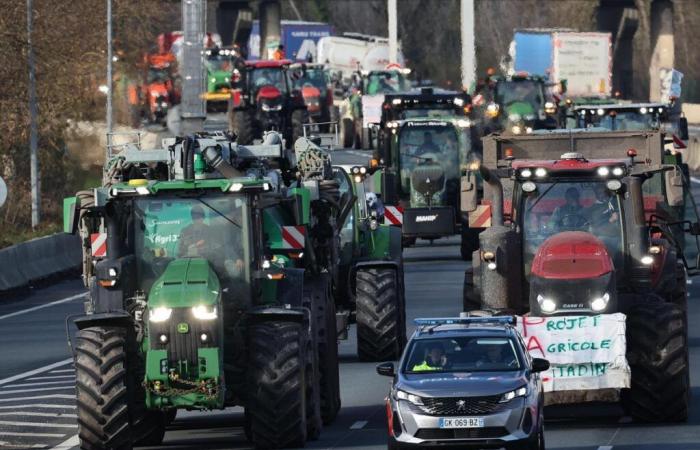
33,113
109,76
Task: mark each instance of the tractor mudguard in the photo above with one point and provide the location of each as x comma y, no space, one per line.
270,313
105,319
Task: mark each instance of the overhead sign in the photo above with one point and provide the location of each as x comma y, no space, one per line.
585,352
3,192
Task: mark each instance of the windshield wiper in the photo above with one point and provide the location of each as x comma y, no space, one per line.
542,196
219,212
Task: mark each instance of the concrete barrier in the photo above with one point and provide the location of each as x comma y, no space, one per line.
38,259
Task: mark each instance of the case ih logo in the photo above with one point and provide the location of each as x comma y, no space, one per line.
98,244
293,237
430,218
393,215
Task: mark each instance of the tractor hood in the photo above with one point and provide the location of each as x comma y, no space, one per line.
310,92
572,255
186,282
269,93
524,110
158,90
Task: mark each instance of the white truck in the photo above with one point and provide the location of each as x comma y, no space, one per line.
353,51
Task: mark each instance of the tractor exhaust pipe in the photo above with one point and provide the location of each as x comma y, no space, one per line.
213,157
188,157
494,183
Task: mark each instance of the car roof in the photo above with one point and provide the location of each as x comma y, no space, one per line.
460,330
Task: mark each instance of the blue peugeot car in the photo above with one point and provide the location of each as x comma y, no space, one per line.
466,382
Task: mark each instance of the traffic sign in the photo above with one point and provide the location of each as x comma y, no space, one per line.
3,192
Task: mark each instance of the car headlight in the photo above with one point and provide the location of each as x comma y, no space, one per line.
159,314
204,312
600,303
547,304
416,400
508,396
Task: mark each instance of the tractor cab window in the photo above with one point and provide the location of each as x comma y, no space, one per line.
427,112
345,186
213,228
561,206
311,77
219,63
385,83
628,121
426,148
268,77
519,91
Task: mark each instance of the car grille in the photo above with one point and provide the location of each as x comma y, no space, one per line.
460,406
461,433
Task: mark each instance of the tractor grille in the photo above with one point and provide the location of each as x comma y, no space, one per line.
460,406
183,346
461,433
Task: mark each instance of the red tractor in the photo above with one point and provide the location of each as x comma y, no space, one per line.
159,90
263,99
315,83
594,224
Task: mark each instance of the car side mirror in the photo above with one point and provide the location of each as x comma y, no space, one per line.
539,365
387,369
683,128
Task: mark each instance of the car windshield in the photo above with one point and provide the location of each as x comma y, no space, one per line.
208,227
526,91
572,206
158,75
312,77
462,354
385,83
428,145
216,63
268,77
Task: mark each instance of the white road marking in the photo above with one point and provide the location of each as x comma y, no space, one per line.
35,371
605,447
35,308
69,443
360,424
62,371
10,444
22,391
43,383
39,405
54,377
38,397
37,414
13,423
16,433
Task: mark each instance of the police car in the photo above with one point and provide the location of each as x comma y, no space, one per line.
466,381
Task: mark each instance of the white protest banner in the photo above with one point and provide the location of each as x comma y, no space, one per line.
585,352
371,109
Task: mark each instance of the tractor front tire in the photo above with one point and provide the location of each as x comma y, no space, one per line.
657,352
277,385
241,123
379,315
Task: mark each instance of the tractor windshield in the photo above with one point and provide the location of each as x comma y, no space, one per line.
268,77
519,91
157,75
428,146
385,83
219,63
427,112
211,227
577,205
311,77
627,121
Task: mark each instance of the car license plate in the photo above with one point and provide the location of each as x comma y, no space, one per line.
461,422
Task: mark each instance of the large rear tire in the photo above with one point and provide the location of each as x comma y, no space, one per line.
241,123
469,242
347,132
657,352
471,301
379,315
277,406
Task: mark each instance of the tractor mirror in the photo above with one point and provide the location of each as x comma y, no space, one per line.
674,187
389,181
468,193
683,128
695,228
386,369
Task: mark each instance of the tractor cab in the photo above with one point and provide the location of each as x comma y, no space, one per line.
219,63
622,117
314,83
520,104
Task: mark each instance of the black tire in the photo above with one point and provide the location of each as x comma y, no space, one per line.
314,422
277,406
357,140
657,352
379,315
347,133
469,242
241,123
299,118
110,398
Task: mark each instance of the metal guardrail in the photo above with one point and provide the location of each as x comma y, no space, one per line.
32,261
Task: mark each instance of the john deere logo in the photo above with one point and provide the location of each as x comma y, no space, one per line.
183,328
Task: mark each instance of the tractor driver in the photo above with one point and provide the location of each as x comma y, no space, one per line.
195,236
435,359
602,212
568,216
428,146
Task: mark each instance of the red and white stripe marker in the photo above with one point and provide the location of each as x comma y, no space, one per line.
293,237
394,215
98,244
480,217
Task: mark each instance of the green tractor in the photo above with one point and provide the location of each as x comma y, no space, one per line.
424,175
219,63
371,287
211,268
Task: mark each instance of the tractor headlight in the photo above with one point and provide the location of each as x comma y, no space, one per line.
160,314
212,80
603,171
458,101
526,173
550,108
396,101
516,129
547,304
508,396
600,303
204,312
514,117
266,107
540,172
401,395
492,110
618,171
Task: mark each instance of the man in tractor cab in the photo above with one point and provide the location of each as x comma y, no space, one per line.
568,216
195,236
428,146
602,212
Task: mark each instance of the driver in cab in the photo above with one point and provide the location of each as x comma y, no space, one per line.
194,237
435,359
568,215
428,145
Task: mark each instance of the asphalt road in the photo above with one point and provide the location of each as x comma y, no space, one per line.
37,407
